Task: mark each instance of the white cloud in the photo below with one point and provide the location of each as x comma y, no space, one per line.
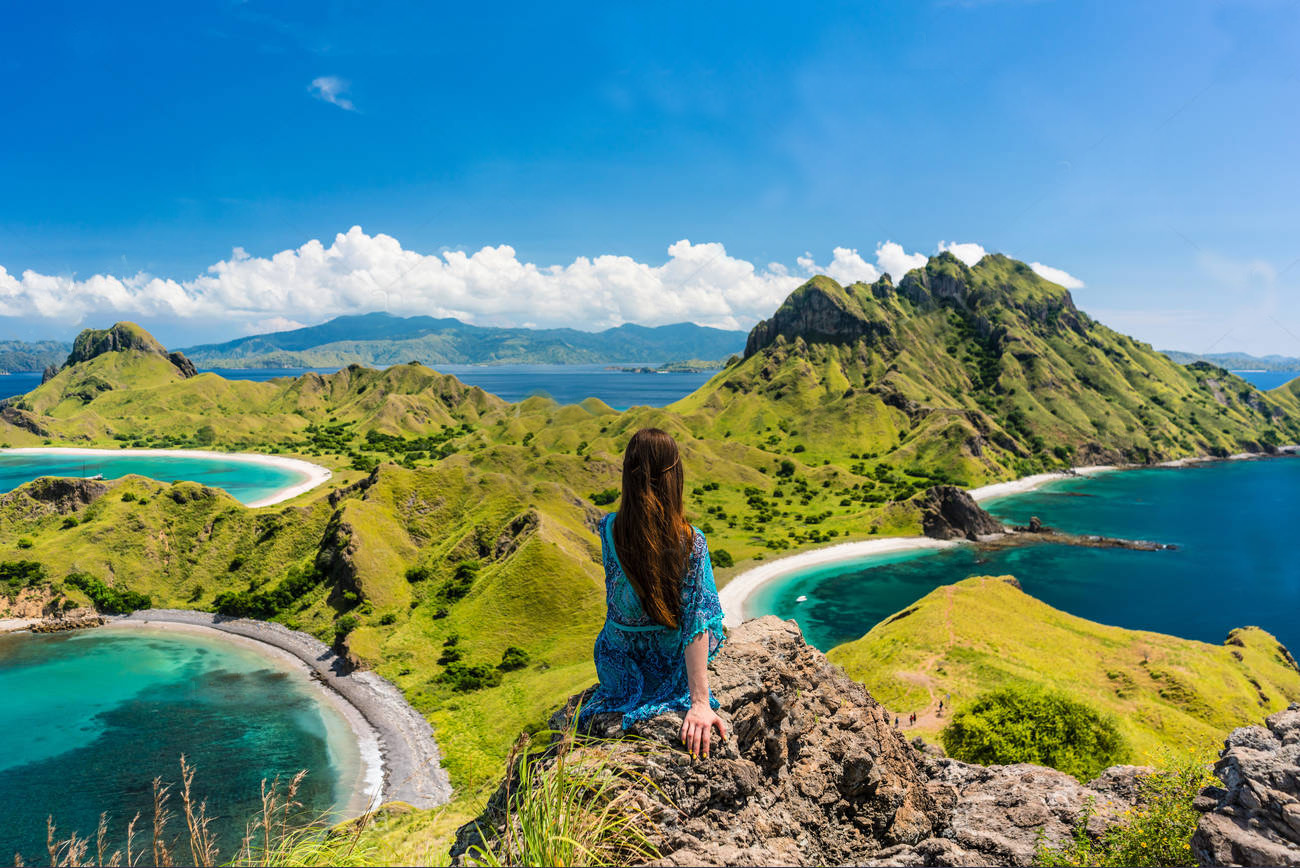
895,261
360,272
968,252
1056,275
848,267
332,89
357,273
272,324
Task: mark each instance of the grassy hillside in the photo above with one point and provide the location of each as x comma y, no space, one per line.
983,632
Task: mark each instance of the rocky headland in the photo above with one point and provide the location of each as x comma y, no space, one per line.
815,773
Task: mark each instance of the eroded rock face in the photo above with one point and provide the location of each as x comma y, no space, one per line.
56,495
815,773
1254,818
949,512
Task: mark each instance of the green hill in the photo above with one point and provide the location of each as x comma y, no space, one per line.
977,373
984,632
380,340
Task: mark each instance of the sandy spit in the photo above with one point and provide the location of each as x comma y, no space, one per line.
399,741
313,474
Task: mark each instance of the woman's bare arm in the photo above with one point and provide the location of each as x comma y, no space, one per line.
697,728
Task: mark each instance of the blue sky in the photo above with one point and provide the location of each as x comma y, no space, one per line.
534,164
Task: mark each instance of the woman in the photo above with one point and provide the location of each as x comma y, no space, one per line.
663,623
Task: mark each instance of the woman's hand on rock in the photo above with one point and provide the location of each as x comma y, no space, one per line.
697,729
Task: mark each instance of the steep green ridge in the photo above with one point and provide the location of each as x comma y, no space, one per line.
379,340
977,373
455,514
1237,361
983,632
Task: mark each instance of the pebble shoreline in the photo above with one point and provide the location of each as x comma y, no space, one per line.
410,760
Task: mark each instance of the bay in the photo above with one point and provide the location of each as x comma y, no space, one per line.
92,717
1235,564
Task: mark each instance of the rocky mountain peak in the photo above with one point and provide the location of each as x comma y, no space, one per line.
123,337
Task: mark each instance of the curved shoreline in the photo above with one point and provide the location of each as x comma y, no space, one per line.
409,762
314,473
736,593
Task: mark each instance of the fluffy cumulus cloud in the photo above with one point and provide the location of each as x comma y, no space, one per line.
1056,275
895,261
357,272
332,90
968,252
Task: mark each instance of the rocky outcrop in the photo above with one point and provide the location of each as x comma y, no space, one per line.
122,337
24,419
1254,818
55,495
818,312
814,772
60,625
949,512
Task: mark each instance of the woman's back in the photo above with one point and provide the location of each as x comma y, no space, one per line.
640,662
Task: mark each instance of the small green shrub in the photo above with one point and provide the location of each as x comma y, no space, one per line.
513,658
1022,724
387,618
722,558
345,625
604,498
128,496
25,542
465,678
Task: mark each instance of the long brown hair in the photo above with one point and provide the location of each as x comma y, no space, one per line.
651,534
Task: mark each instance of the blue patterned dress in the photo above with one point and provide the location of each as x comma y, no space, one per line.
641,664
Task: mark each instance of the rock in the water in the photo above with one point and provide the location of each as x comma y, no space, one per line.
1254,818
949,512
814,773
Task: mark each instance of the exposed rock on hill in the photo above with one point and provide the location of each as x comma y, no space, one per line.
949,512
1254,818
55,495
815,773
121,337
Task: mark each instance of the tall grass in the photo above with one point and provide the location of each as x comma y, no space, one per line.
279,835
572,802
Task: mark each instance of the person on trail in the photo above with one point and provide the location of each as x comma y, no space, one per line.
663,621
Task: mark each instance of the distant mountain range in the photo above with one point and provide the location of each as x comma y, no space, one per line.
1237,361
32,355
380,339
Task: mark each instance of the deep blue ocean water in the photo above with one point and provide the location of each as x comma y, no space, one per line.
244,480
1237,562
90,718
568,384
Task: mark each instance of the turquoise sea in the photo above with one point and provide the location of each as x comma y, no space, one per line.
91,718
1237,562
246,481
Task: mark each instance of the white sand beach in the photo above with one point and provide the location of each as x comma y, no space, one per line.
400,758
313,474
1029,483
737,592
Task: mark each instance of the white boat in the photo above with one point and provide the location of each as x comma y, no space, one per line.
801,599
